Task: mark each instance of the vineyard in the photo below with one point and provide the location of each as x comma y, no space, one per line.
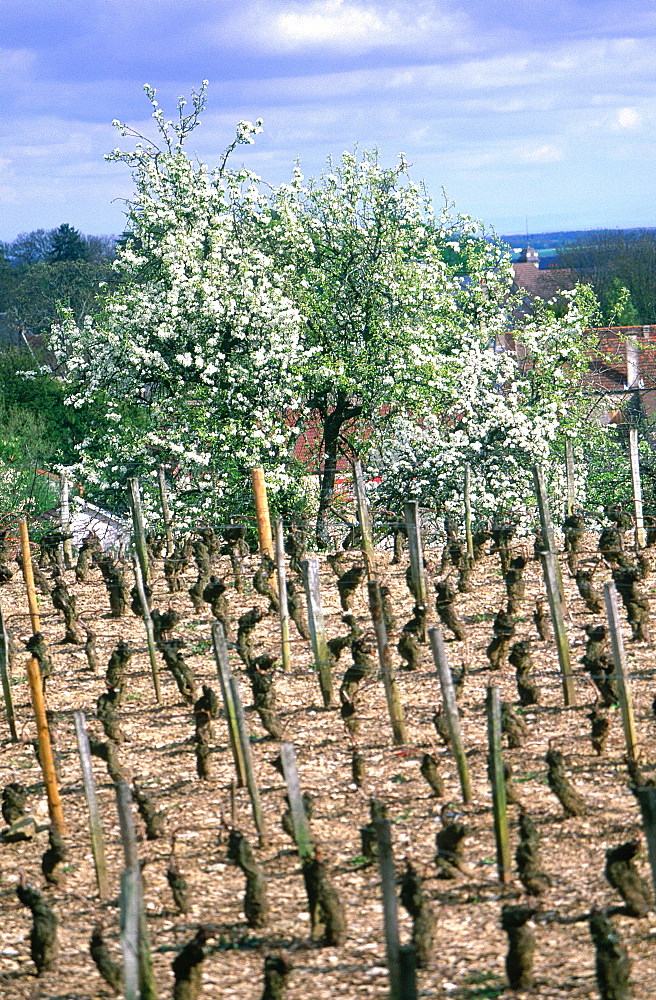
233,885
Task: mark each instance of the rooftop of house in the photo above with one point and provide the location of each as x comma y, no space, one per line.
625,360
545,283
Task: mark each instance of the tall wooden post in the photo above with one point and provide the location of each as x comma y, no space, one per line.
4,673
647,800
543,508
497,779
166,510
554,586
265,538
451,710
569,471
310,569
551,580
36,691
148,624
139,530
468,514
281,571
637,488
416,550
225,680
95,828
240,737
390,913
363,516
299,818
66,519
621,673
134,931
633,382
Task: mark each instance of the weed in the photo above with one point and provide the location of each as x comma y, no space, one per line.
485,983
478,976
200,646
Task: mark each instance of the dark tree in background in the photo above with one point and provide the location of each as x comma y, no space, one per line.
66,244
611,260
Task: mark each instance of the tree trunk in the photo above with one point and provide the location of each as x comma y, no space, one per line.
332,425
331,434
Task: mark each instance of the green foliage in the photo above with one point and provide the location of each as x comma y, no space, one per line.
45,271
24,451
613,260
43,398
604,456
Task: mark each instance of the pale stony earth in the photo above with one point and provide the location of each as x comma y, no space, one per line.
470,947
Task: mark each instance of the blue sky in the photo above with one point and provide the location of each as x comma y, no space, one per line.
540,112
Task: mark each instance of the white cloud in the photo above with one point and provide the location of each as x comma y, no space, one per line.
628,118
332,22
547,153
347,26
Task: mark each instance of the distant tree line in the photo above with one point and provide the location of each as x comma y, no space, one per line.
616,262
43,270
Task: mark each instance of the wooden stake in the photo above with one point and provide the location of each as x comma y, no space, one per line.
166,512
621,672
569,469
139,530
235,711
95,828
468,514
415,548
364,517
28,576
134,930
647,800
310,568
546,523
497,779
551,581
408,972
65,519
36,691
390,914
6,682
296,807
225,680
451,710
543,508
281,572
637,488
130,915
148,623
262,511
394,706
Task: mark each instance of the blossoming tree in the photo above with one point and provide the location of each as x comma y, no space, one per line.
192,362
502,404
377,277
